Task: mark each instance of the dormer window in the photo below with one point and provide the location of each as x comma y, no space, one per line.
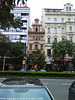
66,8
69,8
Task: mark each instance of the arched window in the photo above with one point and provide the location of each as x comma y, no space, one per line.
66,8
55,39
36,47
62,30
69,19
55,30
48,40
70,29
62,39
48,29
36,29
69,8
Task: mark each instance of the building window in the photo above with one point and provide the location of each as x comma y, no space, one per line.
30,46
36,29
48,40
41,38
69,19
48,52
42,47
38,37
48,19
66,8
55,30
48,30
15,15
70,39
36,47
62,39
69,8
62,20
62,30
55,39
17,37
70,29
31,37
55,20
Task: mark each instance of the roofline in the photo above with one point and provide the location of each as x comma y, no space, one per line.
22,7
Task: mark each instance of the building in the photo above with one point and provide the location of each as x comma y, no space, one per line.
59,24
36,37
19,34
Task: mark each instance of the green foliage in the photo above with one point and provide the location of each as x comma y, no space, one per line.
16,49
62,48
16,52
6,18
38,74
4,45
37,58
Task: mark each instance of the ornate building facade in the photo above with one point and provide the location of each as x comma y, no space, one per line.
59,24
36,37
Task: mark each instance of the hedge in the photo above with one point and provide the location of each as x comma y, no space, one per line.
38,74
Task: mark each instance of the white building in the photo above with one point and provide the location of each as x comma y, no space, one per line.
20,34
59,24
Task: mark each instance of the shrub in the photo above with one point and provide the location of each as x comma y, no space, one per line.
38,74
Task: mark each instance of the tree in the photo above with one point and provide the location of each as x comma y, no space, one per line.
4,45
17,52
37,58
4,49
62,48
6,18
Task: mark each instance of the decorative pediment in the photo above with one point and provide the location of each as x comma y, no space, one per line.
55,36
36,43
49,36
63,36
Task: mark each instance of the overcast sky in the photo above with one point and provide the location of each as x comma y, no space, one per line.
37,5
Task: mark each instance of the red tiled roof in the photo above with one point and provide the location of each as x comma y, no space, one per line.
21,6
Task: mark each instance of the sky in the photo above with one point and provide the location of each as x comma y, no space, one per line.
37,5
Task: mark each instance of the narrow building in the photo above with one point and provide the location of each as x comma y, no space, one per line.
36,38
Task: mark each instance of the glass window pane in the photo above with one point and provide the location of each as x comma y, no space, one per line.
48,30
62,20
70,29
55,39
55,30
55,20
48,40
48,52
62,30
48,19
